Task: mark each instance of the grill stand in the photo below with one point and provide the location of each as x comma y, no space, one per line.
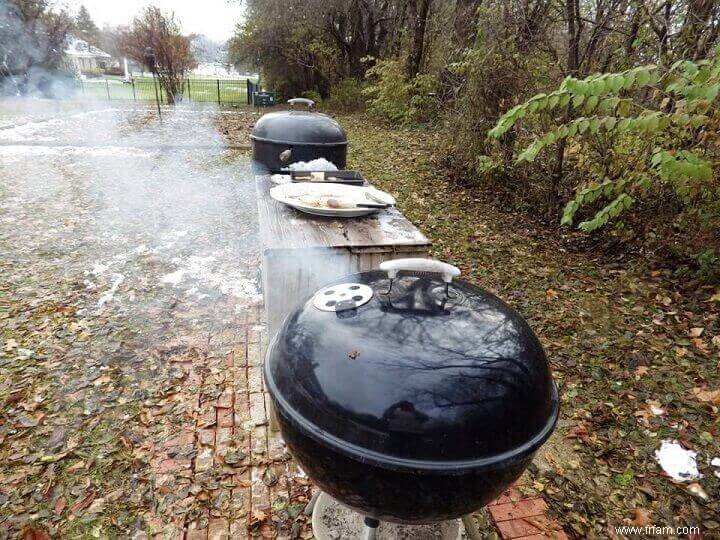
370,529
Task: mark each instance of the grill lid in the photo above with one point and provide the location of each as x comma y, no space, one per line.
299,127
428,372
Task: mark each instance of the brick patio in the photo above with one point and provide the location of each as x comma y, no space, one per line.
219,473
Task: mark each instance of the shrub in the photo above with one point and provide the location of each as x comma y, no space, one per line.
314,95
392,95
637,132
346,95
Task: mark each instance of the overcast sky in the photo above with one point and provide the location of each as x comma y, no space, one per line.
214,18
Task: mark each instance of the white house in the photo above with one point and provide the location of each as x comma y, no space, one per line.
85,58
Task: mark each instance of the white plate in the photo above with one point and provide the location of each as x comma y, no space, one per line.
290,194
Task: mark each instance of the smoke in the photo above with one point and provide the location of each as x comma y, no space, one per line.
32,42
136,223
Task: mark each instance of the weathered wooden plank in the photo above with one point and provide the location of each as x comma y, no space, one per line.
282,227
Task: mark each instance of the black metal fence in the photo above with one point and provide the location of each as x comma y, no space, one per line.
220,91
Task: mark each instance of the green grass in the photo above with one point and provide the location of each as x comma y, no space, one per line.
197,90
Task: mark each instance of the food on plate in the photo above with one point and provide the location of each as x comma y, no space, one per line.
316,201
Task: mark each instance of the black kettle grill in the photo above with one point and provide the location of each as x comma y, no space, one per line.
285,137
408,396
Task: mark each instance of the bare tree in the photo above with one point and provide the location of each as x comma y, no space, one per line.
419,11
161,32
32,36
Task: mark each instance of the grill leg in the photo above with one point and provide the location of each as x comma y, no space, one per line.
471,527
371,527
311,505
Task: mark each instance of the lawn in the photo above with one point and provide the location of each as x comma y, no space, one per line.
143,89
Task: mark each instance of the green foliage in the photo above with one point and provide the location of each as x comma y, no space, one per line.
392,95
314,95
608,110
346,95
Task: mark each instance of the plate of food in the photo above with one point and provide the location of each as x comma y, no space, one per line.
335,200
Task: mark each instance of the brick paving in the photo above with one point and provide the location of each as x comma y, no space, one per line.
219,472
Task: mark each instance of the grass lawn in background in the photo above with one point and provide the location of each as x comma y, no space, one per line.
198,90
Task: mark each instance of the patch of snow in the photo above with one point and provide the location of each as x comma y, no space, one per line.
677,462
697,490
110,294
320,164
205,271
715,462
218,70
99,268
173,278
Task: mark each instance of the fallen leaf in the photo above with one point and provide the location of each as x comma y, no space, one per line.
696,332
642,517
83,503
102,380
31,533
60,505
707,396
270,477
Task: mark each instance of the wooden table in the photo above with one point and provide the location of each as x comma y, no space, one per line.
301,253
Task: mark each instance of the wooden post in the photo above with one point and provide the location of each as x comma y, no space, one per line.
107,87
189,96
133,87
218,87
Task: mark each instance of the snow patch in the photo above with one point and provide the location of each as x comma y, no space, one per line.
99,268
677,462
715,462
320,164
173,278
110,294
204,271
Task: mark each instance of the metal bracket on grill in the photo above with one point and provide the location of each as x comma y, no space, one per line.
342,297
420,267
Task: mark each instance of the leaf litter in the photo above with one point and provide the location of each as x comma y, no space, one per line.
90,336
634,349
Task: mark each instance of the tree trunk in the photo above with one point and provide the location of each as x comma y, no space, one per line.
418,16
695,25
465,22
633,33
572,12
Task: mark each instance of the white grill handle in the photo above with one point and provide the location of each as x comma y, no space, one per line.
309,103
432,266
